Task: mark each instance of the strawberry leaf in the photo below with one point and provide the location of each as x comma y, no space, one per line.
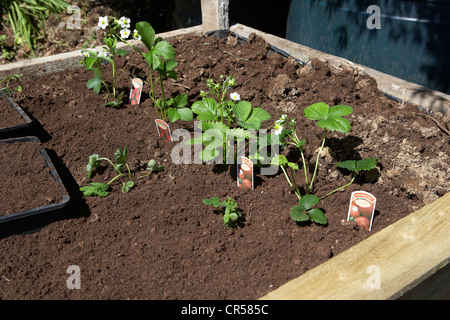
206,109
317,111
329,118
308,201
215,201
120,158
147,34
127,186
318,216
185,114
180,101
164,49
95,189
367,164
242,109
298,214
279,160
121,52
95,84
358,165
249,117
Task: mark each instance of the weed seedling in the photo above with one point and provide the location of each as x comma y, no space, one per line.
7,80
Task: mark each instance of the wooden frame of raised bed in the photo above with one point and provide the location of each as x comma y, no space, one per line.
409,259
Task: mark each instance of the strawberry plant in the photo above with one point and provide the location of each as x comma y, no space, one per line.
224,121
329,119
305,211
231,213
122,169
233,110
355,166
95,61
160,57
101,189
213,108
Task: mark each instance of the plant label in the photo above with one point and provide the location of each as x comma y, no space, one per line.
136,91
245,174
163,130
362,208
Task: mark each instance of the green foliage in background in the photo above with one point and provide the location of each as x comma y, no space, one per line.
27,20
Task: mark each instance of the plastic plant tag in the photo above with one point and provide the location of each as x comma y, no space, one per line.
362,208
245,174
136,91
163,130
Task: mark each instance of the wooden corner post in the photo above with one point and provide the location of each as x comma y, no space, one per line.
215,15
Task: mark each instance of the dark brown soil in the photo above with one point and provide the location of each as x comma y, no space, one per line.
159,241
10,117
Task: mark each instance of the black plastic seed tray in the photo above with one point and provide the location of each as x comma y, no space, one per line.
18,130
20,219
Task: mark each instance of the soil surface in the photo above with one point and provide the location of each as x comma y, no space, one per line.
159,241
10,117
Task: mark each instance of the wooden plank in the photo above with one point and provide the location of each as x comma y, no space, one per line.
215,15
70,60
426,98
386,265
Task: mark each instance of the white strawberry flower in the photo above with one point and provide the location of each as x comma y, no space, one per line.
87,53
235,96
124,22
136,35
125,33
103,22
83,53
278,126
103,54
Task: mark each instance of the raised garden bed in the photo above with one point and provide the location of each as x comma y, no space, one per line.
159,241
